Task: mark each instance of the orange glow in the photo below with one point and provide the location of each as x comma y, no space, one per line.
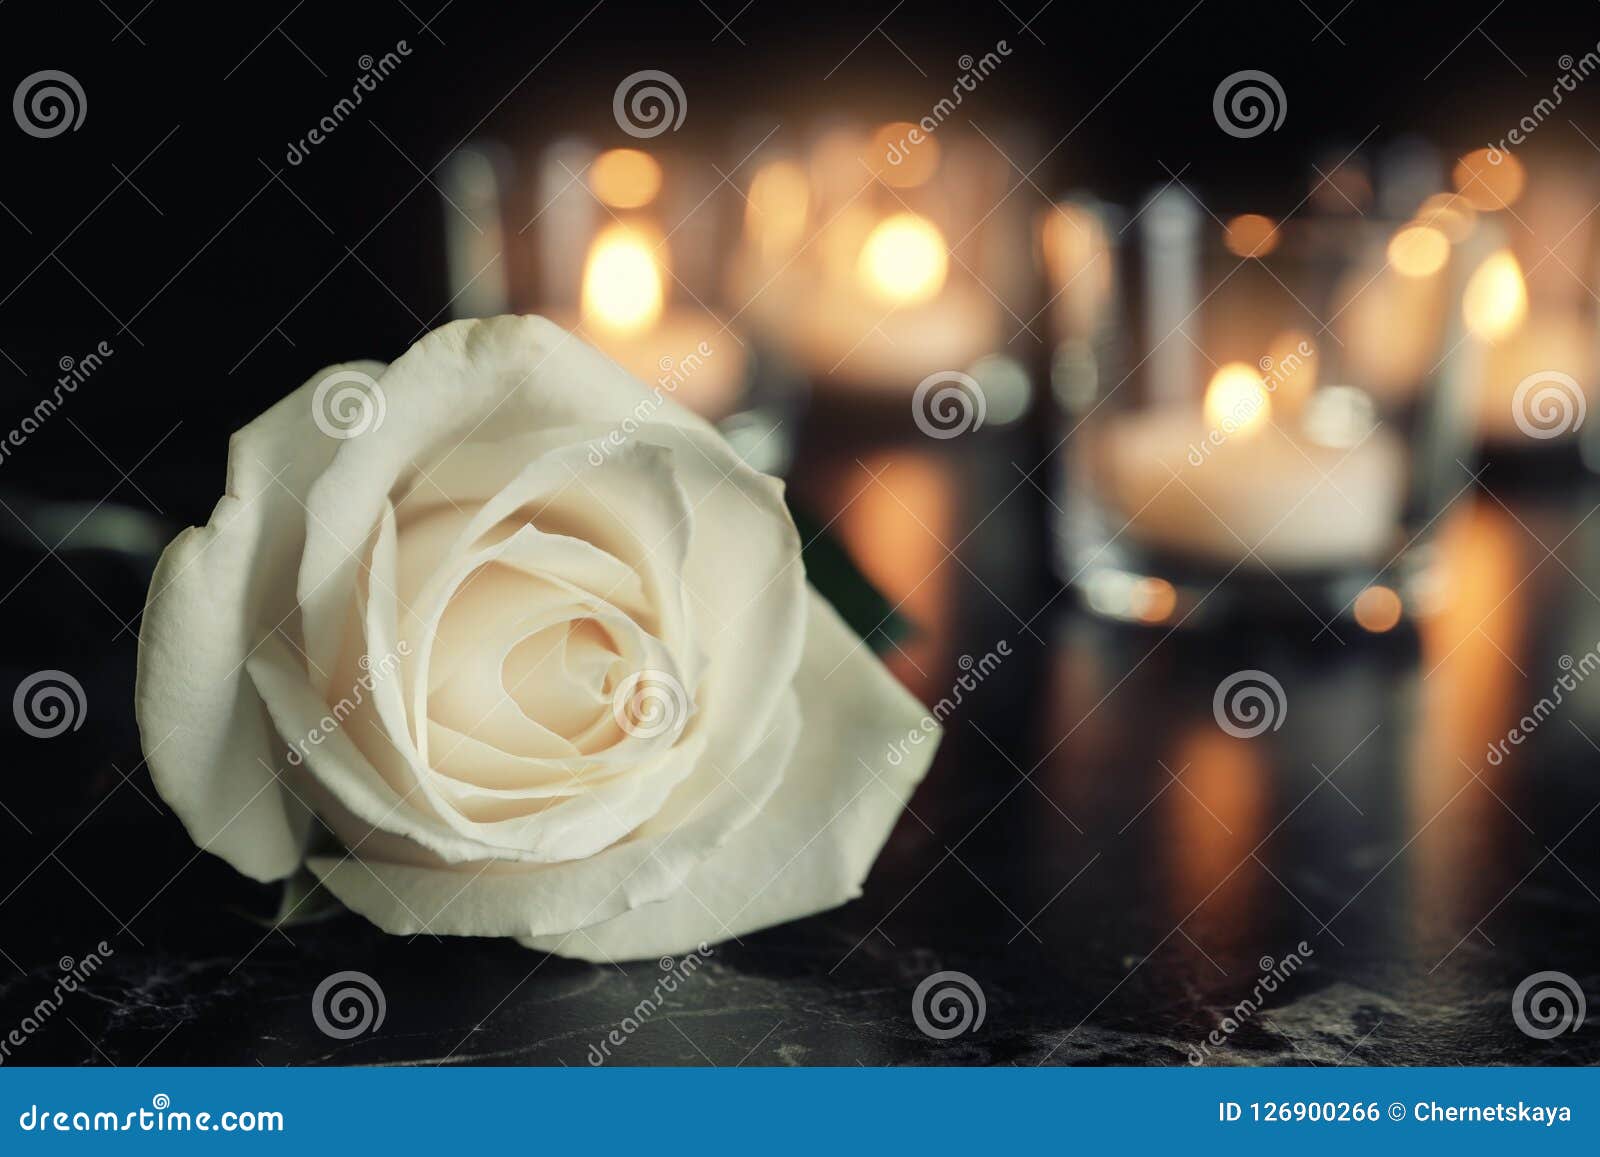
1236,400
1213,825
625,178
1419,251
1450,213
904,261
775,213
1251,235
896,509
903,155
1496,298
1154,600
1294,372
1377,609
622,281
1489,179
1077,259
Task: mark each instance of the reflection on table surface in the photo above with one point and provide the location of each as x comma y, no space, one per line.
1113,868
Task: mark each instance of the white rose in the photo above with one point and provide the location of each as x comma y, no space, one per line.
490,666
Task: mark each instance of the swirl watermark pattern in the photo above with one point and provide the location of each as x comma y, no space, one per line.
1249,703
649,703
347,404
649,103
49,703
1548,404
1547,1004
1249,103
947,404
48,104
348,1004
948,1004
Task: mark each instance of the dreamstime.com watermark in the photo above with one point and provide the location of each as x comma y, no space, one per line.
651,703
673,374
648,103
973,73
948,403
974,672
160,1117
1573,73
1249,103
74,372
948,1004
49,703
371,673
1249,703
49,103
1274,973
1548,404
348,1004
1577,670
73,974
1547,1004
372,72
673,974
348,403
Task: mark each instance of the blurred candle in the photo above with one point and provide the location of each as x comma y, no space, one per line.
1171,223
475,232
896,315
1551,351
685,350
1229,485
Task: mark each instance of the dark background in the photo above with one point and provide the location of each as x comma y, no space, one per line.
171,227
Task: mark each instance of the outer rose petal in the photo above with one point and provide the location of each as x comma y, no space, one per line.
811,846
402,890
807,847
216,591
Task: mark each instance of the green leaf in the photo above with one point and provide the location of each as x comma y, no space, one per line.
834,573
302,901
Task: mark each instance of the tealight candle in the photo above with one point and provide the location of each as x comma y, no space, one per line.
1544,347
879,309
623,312
1227,484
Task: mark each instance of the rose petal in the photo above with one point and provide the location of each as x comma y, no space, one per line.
456,383
813,844
217,590
404,891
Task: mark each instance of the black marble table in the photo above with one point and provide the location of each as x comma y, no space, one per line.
1109,867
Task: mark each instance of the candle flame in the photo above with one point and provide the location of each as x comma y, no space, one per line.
1237,402
1496,298
904,260
622,283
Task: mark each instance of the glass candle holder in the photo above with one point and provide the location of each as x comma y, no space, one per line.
1541,369
875,257
1262,420
618,245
